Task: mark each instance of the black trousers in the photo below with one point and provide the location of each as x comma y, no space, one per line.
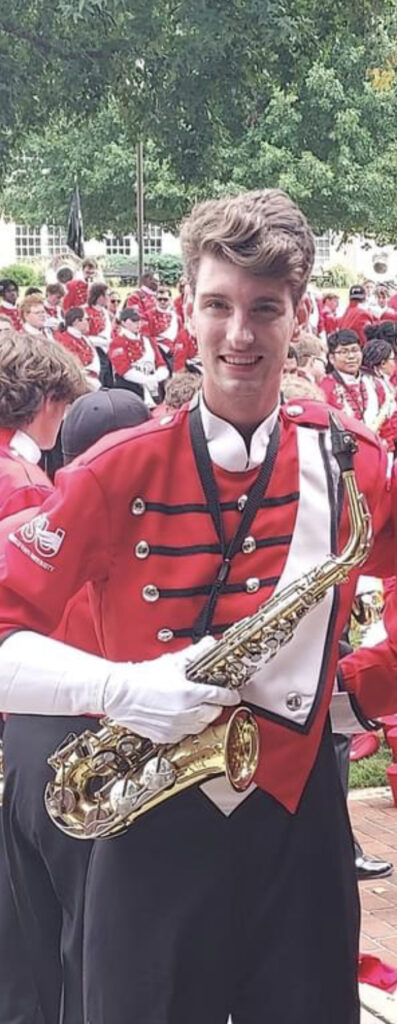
19,999
191,916
48,869
342,746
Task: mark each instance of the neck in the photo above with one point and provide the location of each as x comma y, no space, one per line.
245,414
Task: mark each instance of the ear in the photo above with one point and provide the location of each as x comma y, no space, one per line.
188,306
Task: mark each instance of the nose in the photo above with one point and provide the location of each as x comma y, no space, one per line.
239,334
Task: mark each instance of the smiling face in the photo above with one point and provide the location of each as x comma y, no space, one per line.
244,324
347,358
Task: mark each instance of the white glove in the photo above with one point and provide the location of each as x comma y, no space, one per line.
154,698
41,676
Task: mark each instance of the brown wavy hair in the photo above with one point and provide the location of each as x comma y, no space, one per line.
32,369
262,231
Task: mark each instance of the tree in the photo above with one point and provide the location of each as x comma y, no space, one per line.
226,96
39,182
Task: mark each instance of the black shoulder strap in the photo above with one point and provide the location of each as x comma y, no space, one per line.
254,498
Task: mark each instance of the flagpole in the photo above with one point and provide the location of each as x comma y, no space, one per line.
139,207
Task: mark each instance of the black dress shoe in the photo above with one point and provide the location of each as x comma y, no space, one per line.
368,868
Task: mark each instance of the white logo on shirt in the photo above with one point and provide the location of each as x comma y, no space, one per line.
46,542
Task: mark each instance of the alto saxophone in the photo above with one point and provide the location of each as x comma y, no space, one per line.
105,780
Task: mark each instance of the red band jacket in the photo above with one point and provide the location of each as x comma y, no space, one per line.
76,294
13,315
363,398
146,543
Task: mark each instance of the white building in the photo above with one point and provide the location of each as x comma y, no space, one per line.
362,257
20,243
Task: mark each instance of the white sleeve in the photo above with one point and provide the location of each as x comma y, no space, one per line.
136,376
45,677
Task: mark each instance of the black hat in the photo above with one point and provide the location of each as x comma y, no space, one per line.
357,292
91,416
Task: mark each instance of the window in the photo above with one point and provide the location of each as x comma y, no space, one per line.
118,246
27,242
152,239
56,241
323,249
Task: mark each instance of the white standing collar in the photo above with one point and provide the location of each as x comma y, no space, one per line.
24,445
227,446
29,329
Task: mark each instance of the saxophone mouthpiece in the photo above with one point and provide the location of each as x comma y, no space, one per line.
343,443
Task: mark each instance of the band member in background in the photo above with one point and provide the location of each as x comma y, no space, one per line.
54,294
8,302
113,305
356,315
138,363
346,387
77,288
34,318
100,328
204,907
37,381
73,337
379,361
143,299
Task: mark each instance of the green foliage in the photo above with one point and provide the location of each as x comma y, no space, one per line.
336,276
24,274
226,96
371,771
169,267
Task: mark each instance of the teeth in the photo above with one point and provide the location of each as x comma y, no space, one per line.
240,362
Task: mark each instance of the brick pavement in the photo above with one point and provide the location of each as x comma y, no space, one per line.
374,820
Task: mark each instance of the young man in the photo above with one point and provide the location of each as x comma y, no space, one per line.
137,360
36,384
311,357
8,302
184,526
54,294
74,338
100,328
77,287
358,394
34,318
144,298
356,316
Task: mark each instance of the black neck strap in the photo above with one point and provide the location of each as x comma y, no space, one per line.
254,498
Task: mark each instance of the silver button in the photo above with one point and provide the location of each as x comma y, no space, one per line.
241,502
142,549
294,701
252,585
138,507
165,635
150,593
248,545
294,410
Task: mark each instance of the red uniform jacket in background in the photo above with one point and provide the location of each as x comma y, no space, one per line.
354,319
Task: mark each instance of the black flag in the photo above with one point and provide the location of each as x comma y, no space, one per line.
75,234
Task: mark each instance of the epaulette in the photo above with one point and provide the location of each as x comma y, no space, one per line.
125,435
307,413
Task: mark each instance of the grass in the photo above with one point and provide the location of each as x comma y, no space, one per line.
371,771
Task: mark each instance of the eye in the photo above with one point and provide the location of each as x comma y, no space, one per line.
219,305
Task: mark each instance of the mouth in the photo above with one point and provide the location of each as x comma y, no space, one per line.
244,362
